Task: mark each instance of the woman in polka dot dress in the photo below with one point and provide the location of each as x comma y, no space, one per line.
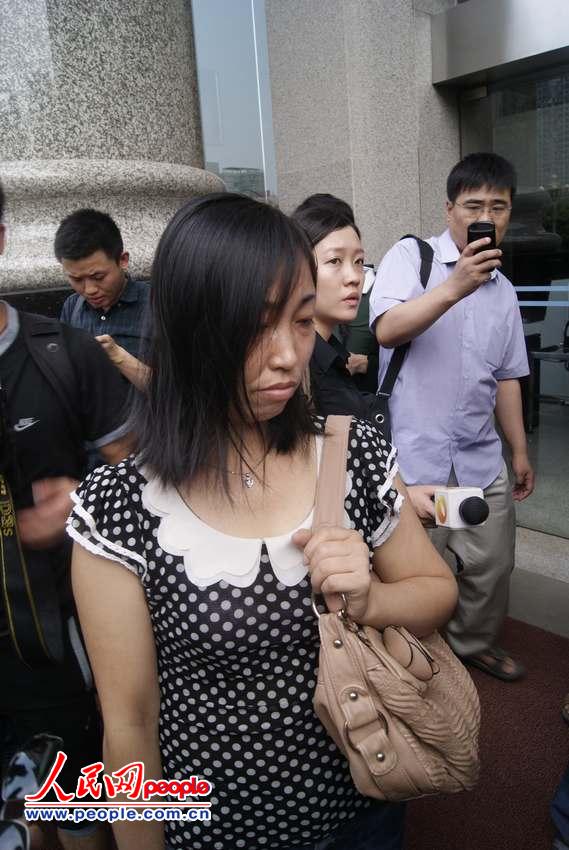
195,560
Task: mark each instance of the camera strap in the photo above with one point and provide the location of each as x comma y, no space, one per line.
28,589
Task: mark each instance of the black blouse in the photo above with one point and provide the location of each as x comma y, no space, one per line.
334,390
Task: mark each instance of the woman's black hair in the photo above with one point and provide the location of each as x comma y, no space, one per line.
214,267
322,214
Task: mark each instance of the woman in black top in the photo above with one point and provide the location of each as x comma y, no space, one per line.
329,224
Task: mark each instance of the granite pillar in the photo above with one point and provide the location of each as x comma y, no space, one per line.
98,107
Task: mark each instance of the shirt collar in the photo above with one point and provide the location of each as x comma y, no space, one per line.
10,332
130,291
447,252
129,295
327,352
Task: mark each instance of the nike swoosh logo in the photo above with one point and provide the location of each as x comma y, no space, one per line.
25,423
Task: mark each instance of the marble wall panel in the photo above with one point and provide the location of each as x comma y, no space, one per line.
384,125
439,133
308,87
351,83
335,177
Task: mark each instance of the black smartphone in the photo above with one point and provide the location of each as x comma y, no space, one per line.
480,229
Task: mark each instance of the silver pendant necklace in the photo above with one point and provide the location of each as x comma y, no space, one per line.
247,478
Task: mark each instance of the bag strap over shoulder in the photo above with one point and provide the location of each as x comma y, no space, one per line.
329,507
46,345
426,253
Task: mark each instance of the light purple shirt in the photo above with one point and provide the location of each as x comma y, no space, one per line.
442,406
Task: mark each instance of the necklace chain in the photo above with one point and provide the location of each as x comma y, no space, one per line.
247,478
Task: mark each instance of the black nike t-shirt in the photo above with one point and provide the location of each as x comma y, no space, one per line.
34,416
40,439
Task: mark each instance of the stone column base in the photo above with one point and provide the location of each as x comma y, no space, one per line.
141,196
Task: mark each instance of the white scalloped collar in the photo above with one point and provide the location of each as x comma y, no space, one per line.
211,556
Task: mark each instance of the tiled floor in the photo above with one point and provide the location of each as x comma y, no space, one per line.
540,600
544,554
540,583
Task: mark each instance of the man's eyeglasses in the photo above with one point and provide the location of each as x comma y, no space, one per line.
473,209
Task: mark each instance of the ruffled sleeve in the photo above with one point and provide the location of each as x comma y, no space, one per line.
372,463
105,518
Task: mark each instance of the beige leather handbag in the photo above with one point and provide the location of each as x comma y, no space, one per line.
404,712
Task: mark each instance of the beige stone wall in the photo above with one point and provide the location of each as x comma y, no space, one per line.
355,113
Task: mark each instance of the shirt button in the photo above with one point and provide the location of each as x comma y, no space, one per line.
103,318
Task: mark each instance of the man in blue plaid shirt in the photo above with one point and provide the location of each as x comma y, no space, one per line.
89,246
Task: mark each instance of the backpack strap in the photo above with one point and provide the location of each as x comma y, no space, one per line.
45,342
427,254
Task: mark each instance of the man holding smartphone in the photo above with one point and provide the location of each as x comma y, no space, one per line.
463,366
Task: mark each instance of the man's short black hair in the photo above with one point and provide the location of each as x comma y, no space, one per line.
2,201
481,169
85,231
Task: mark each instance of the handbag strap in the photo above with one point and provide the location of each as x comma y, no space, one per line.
330,489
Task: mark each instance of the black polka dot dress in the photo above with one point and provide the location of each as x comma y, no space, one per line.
237,649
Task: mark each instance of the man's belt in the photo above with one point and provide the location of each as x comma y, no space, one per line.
28,590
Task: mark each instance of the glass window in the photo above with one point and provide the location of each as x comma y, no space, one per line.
234,89
527,121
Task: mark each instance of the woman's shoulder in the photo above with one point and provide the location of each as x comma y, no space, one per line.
363,435
371,457
125,476
364,430
110,494
372,501
372,469
106,518
370,453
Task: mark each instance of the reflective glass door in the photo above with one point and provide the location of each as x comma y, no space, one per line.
527,121
235,98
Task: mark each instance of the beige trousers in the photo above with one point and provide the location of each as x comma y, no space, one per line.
484,560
